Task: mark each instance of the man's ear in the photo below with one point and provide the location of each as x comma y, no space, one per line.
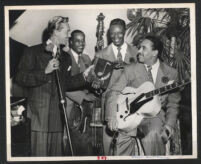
55,33
70,42
155,53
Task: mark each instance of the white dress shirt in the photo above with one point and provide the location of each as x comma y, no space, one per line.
123,50
75,55
154,70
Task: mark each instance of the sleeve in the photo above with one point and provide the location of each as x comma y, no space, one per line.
112,94
28,75
88,60
172,106
73,83
76,96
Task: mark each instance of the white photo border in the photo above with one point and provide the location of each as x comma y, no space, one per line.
191,6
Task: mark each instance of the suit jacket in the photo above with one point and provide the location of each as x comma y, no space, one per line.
108,54
76,97
136,74
43,98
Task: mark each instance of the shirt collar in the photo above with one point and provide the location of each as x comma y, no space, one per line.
154,66
54,51
75,55
123,49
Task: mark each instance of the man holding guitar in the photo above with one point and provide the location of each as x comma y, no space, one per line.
158,129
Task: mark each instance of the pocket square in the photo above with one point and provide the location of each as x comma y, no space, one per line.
69,68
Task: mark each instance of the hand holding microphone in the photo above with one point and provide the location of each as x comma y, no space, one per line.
52,65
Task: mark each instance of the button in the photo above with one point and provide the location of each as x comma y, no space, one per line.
49,81
121,116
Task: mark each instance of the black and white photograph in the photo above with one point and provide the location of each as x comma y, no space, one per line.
101,82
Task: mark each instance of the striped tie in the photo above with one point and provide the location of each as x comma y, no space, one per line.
81,63
149,68
119,55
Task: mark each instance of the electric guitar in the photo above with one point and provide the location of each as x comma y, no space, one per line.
134,104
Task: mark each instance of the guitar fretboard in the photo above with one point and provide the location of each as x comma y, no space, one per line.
165,89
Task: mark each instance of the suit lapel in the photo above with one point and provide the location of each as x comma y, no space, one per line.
110,54
161,73
75,68
127,55
142,73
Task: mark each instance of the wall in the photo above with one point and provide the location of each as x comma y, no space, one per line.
31,23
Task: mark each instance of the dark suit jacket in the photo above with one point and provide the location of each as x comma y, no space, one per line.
81,141
43,98
76,97
136,74
108,54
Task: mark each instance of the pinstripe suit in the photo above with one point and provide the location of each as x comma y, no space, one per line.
43,98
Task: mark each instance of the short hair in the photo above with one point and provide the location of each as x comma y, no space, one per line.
75,32
157,43
118,21
55,24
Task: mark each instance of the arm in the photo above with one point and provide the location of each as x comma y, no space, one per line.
73,83
172,106
76,96
112,94
28,75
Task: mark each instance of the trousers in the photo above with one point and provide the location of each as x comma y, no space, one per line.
46,143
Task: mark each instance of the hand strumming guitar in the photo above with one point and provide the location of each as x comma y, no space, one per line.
112,124
52,65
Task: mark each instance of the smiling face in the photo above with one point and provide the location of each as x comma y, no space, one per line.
78,42
62,33
117,33
146,54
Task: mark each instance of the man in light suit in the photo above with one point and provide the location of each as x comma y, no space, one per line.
80,62
117,51
159,129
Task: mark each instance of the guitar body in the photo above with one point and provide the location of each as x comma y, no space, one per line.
127,116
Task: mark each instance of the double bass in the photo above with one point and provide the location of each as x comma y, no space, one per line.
96,122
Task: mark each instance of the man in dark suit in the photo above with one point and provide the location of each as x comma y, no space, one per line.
81,141
36,71
117,51
159,129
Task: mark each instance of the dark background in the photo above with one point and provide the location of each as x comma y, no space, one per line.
60,2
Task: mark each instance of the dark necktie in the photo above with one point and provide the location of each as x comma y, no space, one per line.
119,55
149,68
80,63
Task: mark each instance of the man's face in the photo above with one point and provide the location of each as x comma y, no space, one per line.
63,33
78,42
146,52
117,33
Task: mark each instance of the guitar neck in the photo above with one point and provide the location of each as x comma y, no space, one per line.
165,89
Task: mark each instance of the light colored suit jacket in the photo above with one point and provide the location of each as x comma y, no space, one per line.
136,74
108,54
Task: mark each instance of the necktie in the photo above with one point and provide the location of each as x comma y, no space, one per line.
149,68
119,55
81,63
